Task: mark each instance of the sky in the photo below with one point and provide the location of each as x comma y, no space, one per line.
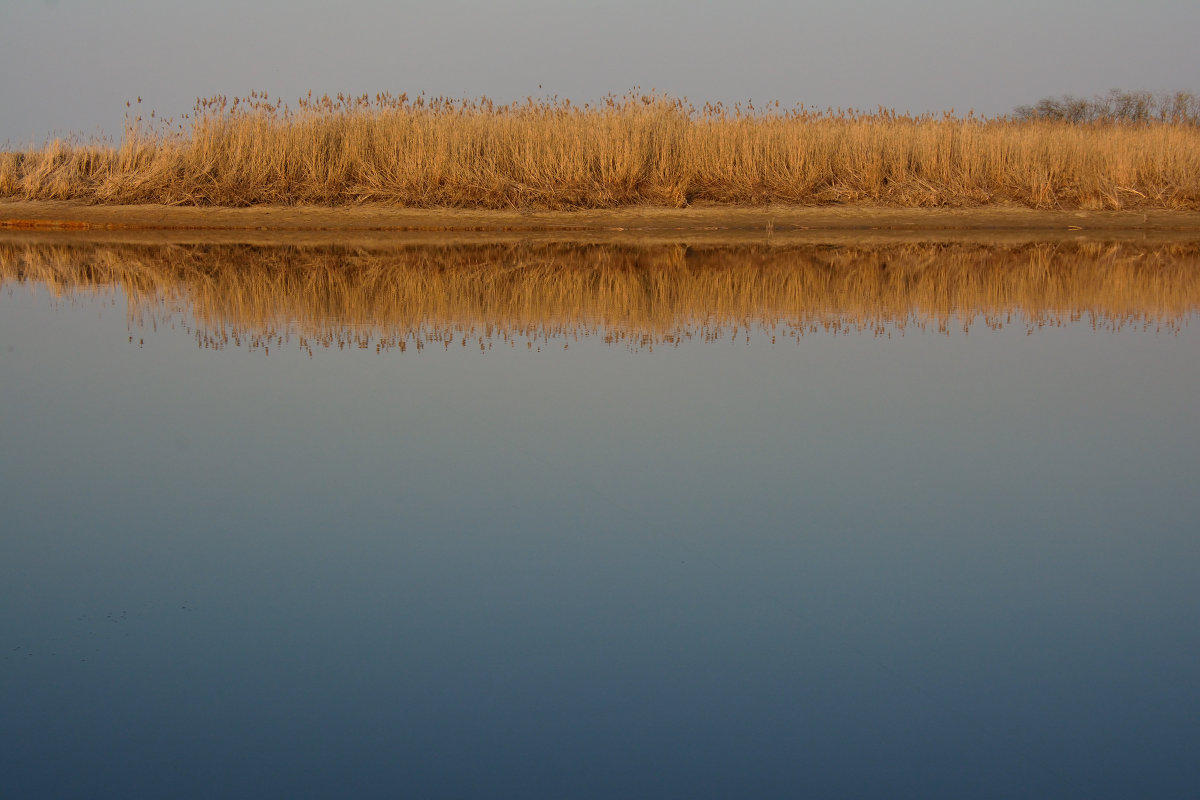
67,67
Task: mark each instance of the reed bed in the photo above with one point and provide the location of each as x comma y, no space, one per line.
531,295
634,150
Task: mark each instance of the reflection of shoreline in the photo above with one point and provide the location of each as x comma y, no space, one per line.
325,225
340,297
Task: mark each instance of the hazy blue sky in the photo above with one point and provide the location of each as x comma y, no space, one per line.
69,65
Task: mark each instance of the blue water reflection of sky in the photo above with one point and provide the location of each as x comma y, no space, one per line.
931,565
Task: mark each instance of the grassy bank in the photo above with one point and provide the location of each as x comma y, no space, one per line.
628,151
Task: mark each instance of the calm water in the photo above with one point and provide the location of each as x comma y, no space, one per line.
922,563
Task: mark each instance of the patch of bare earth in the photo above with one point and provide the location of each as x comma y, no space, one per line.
700,224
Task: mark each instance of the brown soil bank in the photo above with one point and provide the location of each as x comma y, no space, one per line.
713,222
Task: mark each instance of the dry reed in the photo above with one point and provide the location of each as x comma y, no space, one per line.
644,149
418,296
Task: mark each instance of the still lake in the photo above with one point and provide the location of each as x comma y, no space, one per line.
559,521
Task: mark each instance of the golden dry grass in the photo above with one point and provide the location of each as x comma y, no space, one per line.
626,151
638,296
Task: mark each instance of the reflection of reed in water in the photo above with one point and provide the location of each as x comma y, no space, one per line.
638,296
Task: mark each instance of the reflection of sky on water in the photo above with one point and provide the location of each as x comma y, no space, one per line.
928,565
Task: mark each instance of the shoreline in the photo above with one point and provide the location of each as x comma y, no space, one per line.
67,214
778,224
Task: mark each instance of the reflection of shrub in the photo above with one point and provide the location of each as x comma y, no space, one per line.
520,294
1117,107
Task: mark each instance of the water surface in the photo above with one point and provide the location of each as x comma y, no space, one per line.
599,522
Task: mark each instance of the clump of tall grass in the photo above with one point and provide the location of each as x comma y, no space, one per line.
419,296
631,150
